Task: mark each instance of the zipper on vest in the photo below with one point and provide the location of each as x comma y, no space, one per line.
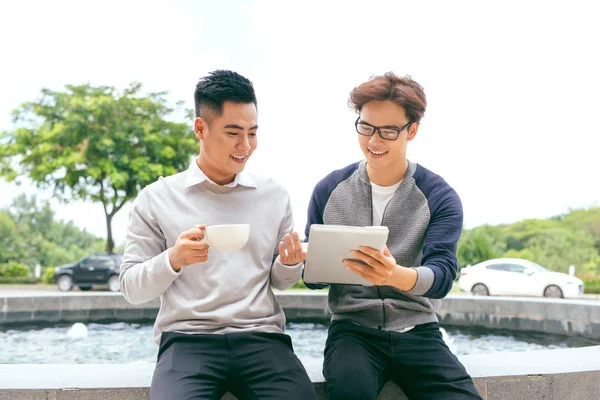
382,216
382,307
382,219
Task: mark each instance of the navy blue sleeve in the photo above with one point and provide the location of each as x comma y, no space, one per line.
318,201
443,232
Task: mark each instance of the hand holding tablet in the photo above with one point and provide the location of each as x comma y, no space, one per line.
330,245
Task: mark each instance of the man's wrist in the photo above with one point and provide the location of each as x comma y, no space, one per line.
290,265
404,278
172,263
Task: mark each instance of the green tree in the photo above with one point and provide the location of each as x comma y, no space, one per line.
27,211
556,243
518,235
475,246
30,234
588,220
33,226
558,248
525,254
96,144
8,238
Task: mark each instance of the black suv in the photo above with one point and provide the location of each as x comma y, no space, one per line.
97,269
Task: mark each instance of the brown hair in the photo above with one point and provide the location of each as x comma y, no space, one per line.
403,91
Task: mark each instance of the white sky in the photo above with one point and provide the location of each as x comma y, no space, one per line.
513,86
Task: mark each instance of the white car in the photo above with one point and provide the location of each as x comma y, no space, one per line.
517,277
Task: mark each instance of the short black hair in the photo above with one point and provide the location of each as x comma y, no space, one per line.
218,87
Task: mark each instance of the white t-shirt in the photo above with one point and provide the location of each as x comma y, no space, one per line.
381,197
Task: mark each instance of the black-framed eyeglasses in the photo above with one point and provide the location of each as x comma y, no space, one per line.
385,133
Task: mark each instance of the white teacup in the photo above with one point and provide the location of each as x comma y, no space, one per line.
227,237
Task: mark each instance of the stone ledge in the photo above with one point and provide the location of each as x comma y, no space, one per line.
546,374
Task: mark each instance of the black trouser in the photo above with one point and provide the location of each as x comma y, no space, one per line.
249,365
359,361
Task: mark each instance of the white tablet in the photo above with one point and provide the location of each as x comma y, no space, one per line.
329,245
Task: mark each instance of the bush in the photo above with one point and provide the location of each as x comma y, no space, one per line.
13,270
591,286
48,275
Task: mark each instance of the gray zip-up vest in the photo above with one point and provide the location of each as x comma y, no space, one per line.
424,218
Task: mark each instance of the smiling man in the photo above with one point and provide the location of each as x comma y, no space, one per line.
390,330
220,327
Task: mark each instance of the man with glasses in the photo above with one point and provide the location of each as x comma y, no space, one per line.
389,331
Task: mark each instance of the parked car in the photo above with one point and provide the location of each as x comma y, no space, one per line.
96,269
517,277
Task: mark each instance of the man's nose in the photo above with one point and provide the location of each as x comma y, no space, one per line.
244,143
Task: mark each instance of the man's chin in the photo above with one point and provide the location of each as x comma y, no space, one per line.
237,168
377,163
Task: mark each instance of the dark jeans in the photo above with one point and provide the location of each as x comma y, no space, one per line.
249,365
359,361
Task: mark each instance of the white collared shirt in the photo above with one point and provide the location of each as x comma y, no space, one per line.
195,176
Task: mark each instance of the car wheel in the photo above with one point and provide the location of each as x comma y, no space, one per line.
64,283
85,288
113,283
553,291
480,290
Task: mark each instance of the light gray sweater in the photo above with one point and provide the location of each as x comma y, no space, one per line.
231,292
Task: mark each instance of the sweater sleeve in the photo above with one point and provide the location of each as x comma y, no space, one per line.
439,264
146,271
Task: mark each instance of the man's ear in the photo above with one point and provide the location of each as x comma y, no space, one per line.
412,131
200,127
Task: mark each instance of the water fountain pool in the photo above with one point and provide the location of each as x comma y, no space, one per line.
133,343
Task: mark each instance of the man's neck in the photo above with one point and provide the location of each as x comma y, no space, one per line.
214,174
387,176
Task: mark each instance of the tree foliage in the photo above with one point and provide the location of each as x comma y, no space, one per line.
555,243
96,143
30,235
